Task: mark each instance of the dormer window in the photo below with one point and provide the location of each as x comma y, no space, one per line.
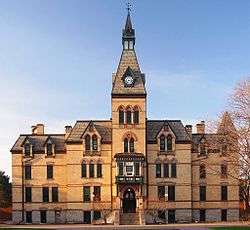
87,143
49,149
27,149
166,143
203,150
94,143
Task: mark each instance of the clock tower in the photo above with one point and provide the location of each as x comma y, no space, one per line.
128,129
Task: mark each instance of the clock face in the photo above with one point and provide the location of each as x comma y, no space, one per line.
129,80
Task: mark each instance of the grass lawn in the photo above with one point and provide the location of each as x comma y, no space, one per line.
230,228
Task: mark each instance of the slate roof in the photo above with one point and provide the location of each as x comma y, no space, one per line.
102,127
154,127
38,142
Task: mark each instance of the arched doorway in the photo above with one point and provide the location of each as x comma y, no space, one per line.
129,201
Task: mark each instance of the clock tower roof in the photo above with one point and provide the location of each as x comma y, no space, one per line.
128,66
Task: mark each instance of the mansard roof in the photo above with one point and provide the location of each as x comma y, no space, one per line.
102,127
38,142
154,127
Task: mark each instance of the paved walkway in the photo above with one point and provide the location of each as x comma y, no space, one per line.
131,227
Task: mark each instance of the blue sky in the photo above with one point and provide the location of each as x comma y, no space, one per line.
57,57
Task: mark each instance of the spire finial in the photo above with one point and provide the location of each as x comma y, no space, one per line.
129,6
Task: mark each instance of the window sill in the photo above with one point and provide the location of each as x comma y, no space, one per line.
166,152
50,156
92,153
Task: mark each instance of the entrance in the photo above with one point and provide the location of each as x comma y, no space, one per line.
129,201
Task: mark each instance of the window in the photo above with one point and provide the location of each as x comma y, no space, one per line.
99,170
162,214
136,117
223,170
49,149
86,194
202,193
173,170
224,215
131,145
29,217
158,170
169,143
43,217
224,149
91,170
161,192
27,149
45,194
129,117
202,215
96,215
97,193
162,143
87,217
171,193
125,145
49,171
202,149
27,172
121,116
129,170
171,216
54,194
166,170
202,171
223,193
120,169
87,143
137,169
84,169
94,143
28,194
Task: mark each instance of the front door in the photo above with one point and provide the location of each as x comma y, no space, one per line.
129,201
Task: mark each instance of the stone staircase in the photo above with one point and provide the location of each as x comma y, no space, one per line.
129,219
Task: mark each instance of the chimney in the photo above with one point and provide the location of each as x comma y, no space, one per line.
68,129
33,129
189,129
200,127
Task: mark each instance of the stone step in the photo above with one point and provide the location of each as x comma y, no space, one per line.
129,219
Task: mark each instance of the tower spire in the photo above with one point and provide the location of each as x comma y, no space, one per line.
128,34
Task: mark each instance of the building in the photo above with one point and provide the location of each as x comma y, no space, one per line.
127,169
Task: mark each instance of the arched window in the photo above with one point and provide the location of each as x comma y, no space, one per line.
87,143
126,145
49,149
169,143
136,115
121,116
162,143
132,145
94,143
27,149
91,170
129,116
84,169
202,171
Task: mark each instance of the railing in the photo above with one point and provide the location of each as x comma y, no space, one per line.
131,180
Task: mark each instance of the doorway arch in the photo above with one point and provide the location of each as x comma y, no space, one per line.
129,201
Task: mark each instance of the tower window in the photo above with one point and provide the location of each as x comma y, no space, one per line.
126,145
223,170
131,145
158,170
120,169
99,170
27,172
121,116
136,117
84,169
129,117
126,45
91,170
27,149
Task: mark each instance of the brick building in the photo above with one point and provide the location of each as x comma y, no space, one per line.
127,169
